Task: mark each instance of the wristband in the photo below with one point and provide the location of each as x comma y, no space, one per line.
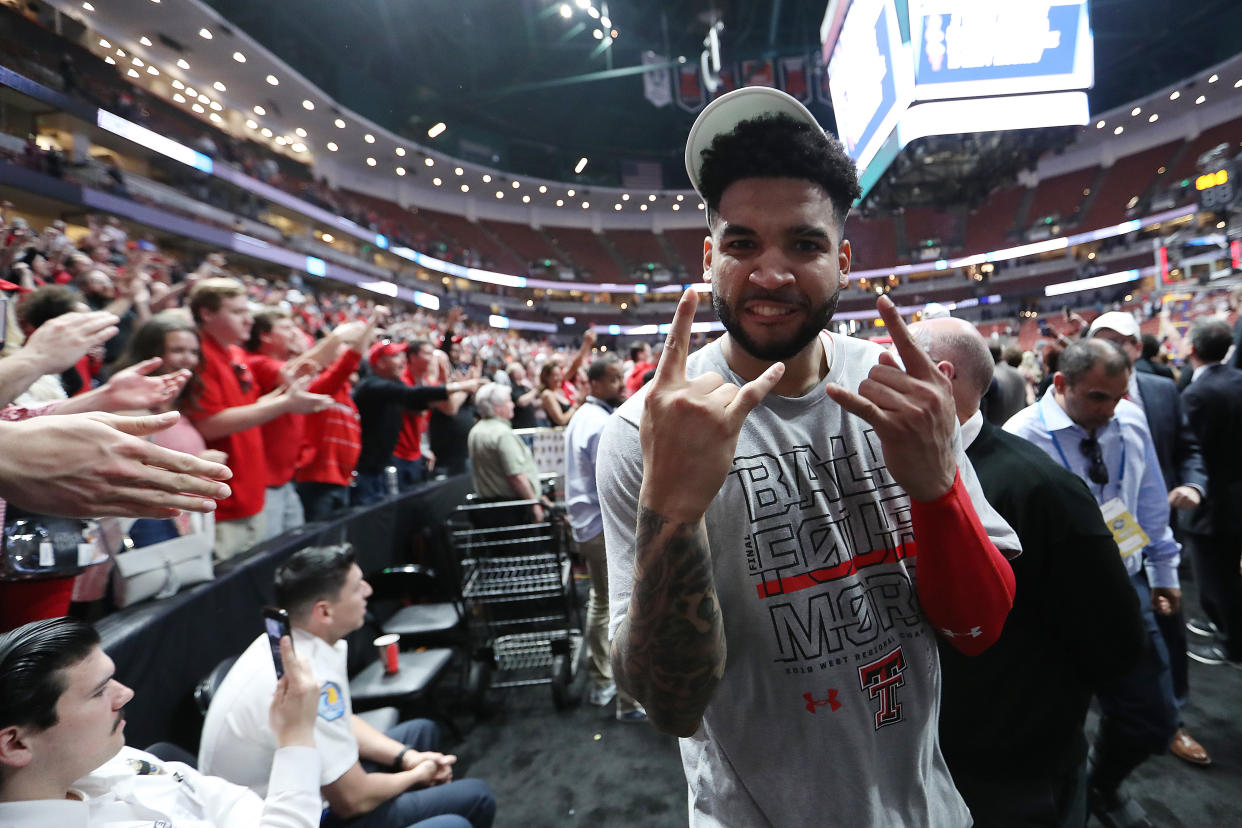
397,764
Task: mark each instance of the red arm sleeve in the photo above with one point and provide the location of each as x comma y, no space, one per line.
965,584
334,377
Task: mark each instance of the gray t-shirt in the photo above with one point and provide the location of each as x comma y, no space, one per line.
827,711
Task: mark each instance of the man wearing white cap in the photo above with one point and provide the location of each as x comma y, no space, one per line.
765,501
1185,479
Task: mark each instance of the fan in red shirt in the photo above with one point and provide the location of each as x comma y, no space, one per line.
229,410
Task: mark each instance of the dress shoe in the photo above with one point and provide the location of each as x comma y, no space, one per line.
1116,810
1201,627
1211,654
1186,748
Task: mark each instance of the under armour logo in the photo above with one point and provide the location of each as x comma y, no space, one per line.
831,701
975,632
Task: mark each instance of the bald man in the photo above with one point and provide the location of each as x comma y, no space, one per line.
1016,750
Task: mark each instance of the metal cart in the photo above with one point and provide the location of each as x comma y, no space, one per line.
517,581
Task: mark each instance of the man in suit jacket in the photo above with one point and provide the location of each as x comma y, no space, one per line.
1006,395
1017,754
1213,531
1181,464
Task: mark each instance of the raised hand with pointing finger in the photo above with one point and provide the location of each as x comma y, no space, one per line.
911,410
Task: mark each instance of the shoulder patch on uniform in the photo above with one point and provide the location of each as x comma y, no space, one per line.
331,702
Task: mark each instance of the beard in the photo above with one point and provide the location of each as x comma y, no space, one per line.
781,349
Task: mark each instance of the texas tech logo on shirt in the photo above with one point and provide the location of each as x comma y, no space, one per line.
880,679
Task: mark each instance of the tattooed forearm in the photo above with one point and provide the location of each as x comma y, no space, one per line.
669,653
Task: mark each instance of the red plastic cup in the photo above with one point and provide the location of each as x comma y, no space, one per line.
387,646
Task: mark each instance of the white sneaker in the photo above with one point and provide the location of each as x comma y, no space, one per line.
601,696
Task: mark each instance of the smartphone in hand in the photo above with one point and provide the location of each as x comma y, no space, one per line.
276,623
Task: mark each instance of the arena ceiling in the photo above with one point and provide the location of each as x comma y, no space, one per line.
507,76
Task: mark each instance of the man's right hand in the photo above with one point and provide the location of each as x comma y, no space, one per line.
296,700
690,428
59,343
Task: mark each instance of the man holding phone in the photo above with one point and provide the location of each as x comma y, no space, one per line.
63,759
369,779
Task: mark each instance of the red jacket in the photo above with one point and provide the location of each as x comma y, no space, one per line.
332,438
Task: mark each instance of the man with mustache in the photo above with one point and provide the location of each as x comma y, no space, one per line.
765,503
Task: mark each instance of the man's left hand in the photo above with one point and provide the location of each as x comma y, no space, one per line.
911,411
443,762
1184,497
1166,600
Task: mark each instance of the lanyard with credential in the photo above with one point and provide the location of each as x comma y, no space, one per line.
1065,460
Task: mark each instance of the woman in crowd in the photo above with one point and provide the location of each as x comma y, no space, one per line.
552,398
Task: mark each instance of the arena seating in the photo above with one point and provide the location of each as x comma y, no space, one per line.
524,240
1129,177
990,226
1061,196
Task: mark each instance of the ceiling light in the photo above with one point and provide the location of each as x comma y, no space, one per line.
120,53
139,63
700,205
144,40
517,184
1214,79
594,12
437,181
272,81
103,44
676,206
204,33
500,194
219,87
340,124
176,84
371,162
301,133
328,238
1175,95
369,138
582,4
487,179
151,70
216,106
190,91
108,60
308,105
1151,119
597,34
543,188
459,171
331,146
265,132
429,162
526,199
280,141
616,206
560,203
643,207
198,108
1237,84
215,118
586,205
400,170
625,196
260,111
566,11
1200,99
465,188
569,193
179,98
203,99
400,151
250,123
133,73
1099,124
605,22
239,57
1134,113
651,197
299,147
437,130
88,7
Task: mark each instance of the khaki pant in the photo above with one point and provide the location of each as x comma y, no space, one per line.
600,667
236,537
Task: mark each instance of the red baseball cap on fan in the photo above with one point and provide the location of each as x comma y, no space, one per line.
383,349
